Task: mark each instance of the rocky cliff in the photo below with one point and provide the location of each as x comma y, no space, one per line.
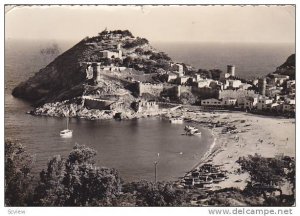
288,67
57,78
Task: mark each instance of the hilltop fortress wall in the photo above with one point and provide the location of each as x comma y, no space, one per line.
205,93
175,90
157,89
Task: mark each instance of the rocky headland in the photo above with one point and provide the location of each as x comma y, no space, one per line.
61,87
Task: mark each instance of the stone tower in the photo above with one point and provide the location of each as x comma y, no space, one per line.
231,70
96,72
119,50
262,84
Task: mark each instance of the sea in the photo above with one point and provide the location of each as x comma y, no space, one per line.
131,146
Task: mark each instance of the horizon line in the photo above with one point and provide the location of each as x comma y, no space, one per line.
162,41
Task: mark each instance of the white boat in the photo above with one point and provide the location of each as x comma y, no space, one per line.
176,120
66,133
190,130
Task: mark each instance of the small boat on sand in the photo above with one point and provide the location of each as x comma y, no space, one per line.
218,177
204,180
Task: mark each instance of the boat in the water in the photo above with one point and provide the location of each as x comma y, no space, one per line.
190,130
176,120
66,133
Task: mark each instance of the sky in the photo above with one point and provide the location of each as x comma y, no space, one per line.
251,24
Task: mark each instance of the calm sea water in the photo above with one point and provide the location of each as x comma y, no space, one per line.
129,146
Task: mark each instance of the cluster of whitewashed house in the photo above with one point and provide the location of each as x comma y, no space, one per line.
177,76
234,93
249,103
268,99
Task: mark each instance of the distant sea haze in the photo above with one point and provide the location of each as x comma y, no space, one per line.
251,59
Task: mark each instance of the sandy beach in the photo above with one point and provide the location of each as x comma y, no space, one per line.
264,135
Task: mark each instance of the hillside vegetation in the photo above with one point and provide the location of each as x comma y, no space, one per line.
64,77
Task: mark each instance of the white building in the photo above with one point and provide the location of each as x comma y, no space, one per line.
110,54
225,102
232,84
264,103
171,77
290,83
197,77
247,102
182,80
276,107
113,68
278,79
273,91
227,75
229,101
89,72
211,102
245,86
146,106
178,68
203,83
255,82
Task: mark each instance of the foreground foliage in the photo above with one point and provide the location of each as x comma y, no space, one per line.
78,181
18,165
267,176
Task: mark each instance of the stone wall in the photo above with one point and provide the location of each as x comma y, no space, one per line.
205,93
97,104
157,89
154,89
175,90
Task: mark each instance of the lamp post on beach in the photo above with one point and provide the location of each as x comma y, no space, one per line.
155,170
155,167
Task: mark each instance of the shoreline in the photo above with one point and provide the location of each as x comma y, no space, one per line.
253,134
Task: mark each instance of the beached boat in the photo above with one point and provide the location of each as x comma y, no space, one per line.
218,177
66,133
195,174
176,120
204,180
189,181
198,185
